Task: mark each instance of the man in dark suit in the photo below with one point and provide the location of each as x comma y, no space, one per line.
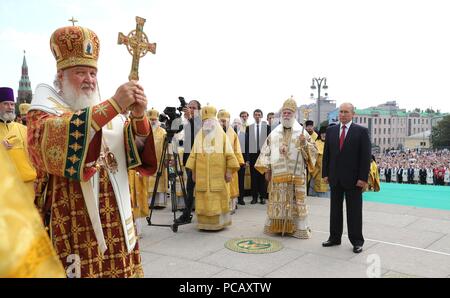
410,175
346,165
255,136
423,175
387,174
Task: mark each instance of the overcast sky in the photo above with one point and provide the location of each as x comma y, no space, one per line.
245,54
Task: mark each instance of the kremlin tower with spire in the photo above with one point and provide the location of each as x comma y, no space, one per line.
25,93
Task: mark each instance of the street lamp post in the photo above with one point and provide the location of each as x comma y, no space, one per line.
318,82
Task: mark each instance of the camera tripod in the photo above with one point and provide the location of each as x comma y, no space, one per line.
172,176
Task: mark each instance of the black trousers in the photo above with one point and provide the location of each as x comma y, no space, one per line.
241,176
259,186
189,201
353,201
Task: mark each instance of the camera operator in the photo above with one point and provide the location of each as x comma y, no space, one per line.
192,125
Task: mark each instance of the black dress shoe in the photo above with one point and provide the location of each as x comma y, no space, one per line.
329,243
254,201
183,219
241,202
262,201
357,249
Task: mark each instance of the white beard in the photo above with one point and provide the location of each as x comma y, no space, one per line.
288,123
8,116
78,100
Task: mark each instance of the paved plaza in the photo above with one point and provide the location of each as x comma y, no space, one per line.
404,241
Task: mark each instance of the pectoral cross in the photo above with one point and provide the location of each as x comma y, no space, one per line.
137,45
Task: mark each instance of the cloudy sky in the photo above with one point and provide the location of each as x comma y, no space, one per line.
247,54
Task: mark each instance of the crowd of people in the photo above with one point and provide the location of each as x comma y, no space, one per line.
418,166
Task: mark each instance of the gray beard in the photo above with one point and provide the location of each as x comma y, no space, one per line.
76,100
288,123
8,116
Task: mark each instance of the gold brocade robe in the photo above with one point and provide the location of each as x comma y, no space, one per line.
25,248
234,140
287,212
314,136
66,145
16,134
210,158
374,178
319,184
159,135
139,193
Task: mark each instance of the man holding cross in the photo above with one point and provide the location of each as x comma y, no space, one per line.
83,147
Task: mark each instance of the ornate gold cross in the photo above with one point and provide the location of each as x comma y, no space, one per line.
306,113
137,45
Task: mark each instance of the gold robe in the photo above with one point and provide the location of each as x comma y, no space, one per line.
210,158
374,178
319,184
159,135
314,136
139,193
287,212
16,134
234,140
25,248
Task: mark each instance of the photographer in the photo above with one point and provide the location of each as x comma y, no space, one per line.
192,125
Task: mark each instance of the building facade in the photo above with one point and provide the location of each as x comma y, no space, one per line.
389,126
326,106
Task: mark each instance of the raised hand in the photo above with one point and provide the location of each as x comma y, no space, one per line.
140,106
125,95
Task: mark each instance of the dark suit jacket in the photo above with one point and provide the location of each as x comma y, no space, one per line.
353,162
251,150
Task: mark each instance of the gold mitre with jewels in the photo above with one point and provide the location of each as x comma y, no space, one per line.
223,114
290,104
209,112
75,46
23,108
152,114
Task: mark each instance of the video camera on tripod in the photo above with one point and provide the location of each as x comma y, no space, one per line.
173,123
171,119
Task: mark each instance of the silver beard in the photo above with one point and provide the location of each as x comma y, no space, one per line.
78,100
288,123
8,116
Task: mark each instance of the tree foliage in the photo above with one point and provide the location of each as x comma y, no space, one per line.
440,134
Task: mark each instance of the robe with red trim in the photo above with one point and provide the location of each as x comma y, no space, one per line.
64,147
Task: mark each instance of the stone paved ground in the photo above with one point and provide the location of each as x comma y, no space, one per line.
405,241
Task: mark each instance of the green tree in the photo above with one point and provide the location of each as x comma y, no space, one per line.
324,123
440,134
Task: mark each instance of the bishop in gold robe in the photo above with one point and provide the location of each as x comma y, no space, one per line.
213,162
318,187
159,135
85,147
224,119
286,153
